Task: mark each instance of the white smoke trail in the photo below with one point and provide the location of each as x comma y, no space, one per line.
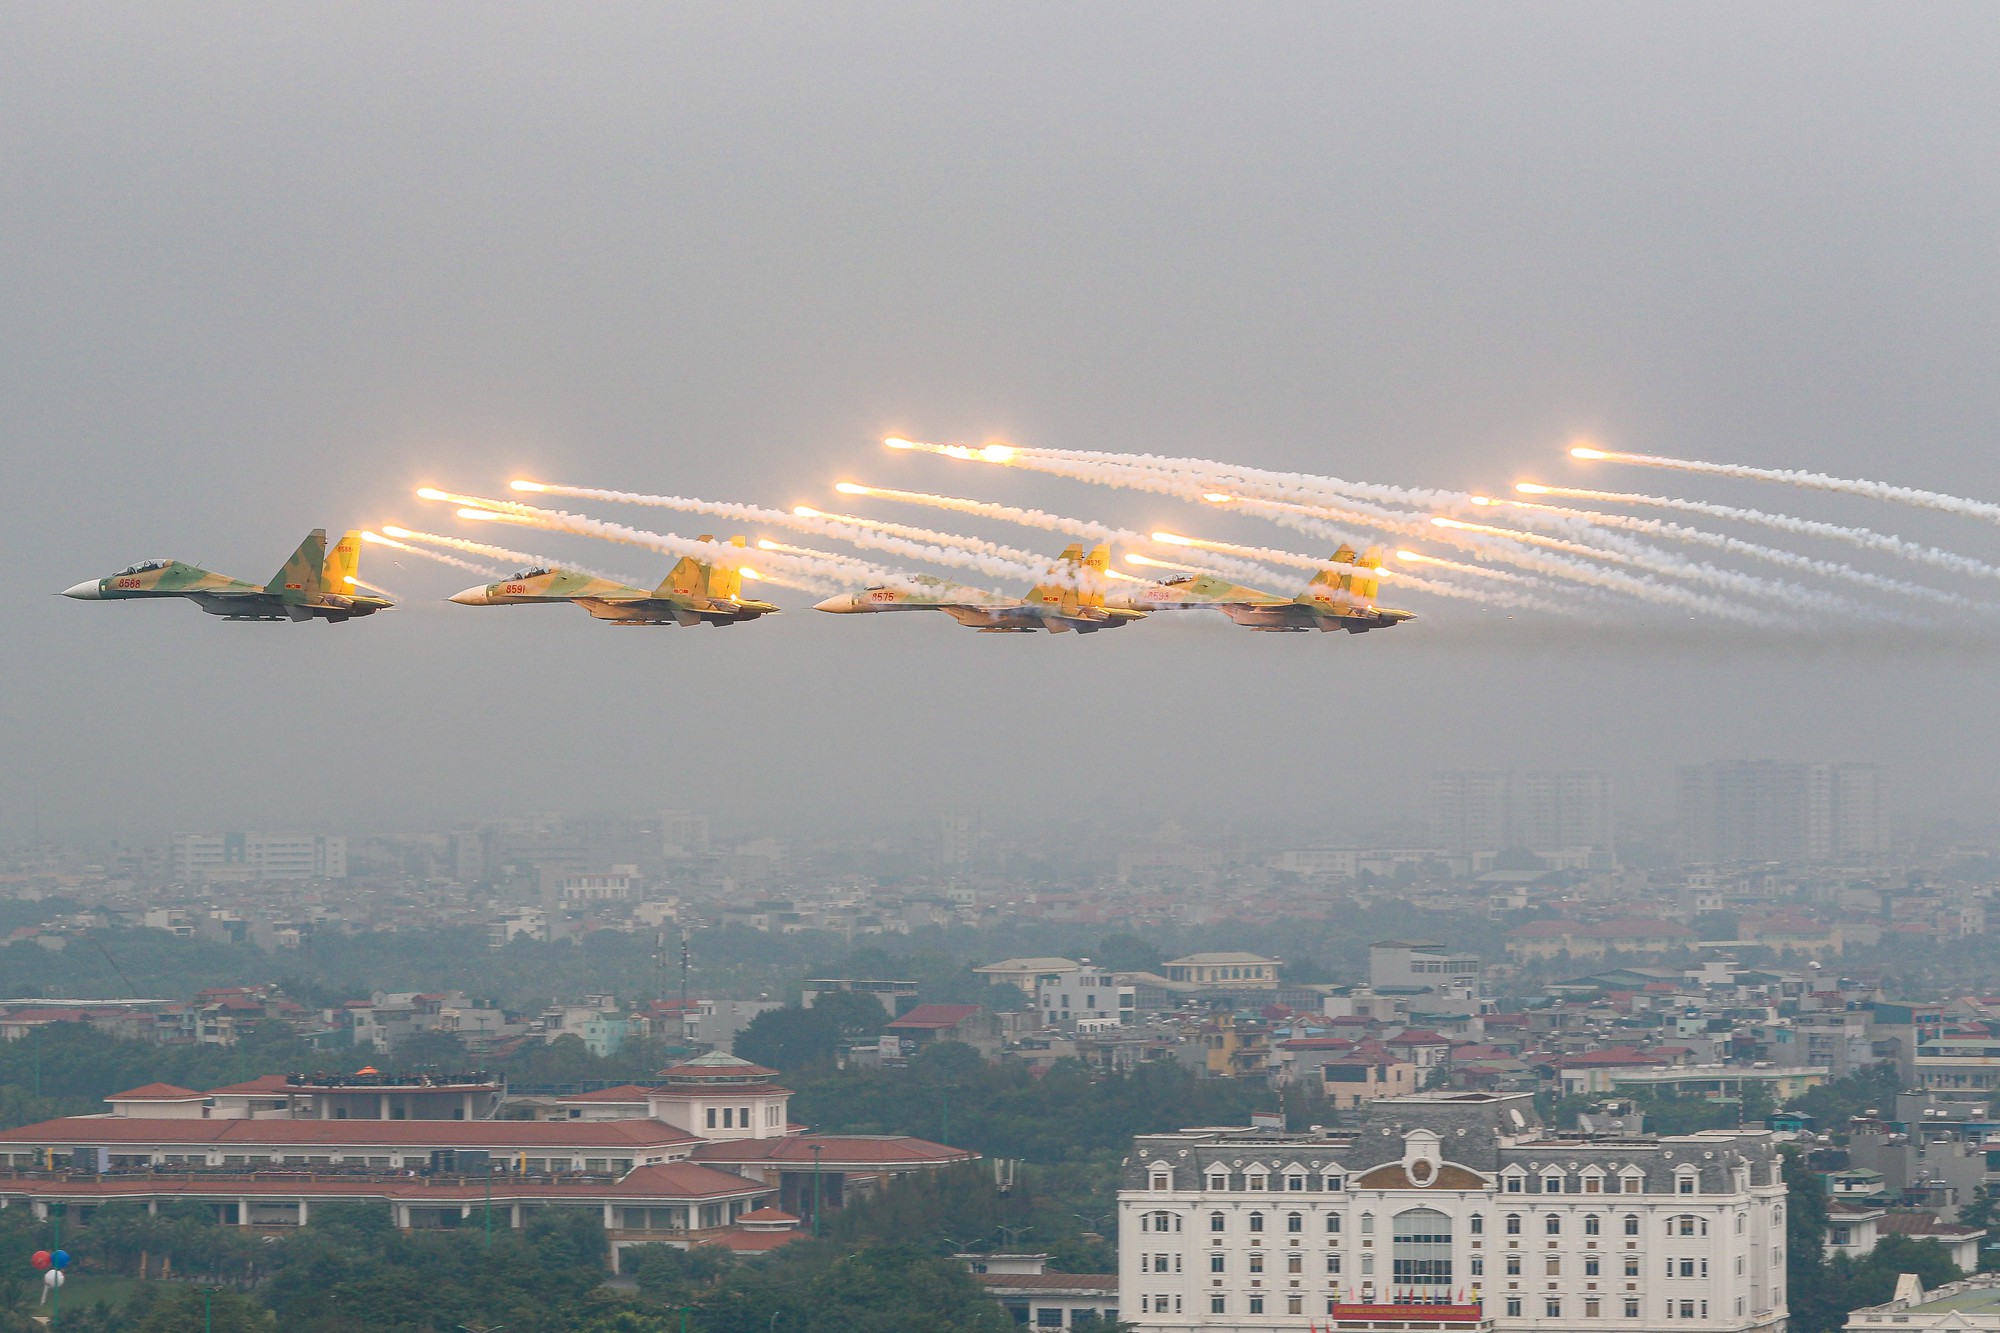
1638,556
519,559
1043,520
931,535
1456,567
1813,481
1305,485
786,571
1770,554
1027,518
930,553
853,567
378,539
1314,520
1865,538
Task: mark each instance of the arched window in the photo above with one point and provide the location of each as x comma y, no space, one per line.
1513,1224
1333,1224
1592,1224
1295,1222
1631,1224
1215,1222
1553,1224
1740,1220
1478,1224
1256,1221
1368,1224
1420,1255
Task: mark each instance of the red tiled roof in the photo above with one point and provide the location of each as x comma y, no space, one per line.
676,1180
1050,1282
936,1016
263,1085
1923,1224
630,1092
1617,1055
755,1242
156,1092
108,1130
858,1150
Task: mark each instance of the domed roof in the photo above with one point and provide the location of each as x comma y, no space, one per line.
717,1067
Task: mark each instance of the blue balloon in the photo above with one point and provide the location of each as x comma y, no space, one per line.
60,1259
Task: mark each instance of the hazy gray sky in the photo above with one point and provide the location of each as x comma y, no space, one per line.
270,267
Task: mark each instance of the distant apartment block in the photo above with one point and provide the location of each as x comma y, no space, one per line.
1543,810
1566,808
1765,810
614,887
1472,810
255,856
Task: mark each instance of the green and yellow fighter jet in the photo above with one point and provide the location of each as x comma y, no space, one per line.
695,593
315,584
1341,596
1071,598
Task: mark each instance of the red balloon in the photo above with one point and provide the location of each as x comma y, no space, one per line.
41,1260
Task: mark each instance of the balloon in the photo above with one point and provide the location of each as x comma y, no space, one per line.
41,1260
52,1278
60,1258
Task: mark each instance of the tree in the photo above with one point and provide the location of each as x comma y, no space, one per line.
177,1309
860,1017
1006,998
1127,953
789,1038
433,1050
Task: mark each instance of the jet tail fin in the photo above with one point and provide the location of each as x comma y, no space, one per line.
726,581
342,570
299,576
1350,577
1062,591
697,578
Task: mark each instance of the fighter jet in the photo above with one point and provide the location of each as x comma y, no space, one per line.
1342,596
693,594
315,584
1072,598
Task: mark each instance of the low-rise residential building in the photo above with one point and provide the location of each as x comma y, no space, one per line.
684,1162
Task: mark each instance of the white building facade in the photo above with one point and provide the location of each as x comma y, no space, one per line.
258,856
1461,1202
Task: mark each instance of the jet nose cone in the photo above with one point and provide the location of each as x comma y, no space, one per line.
86,592
471,596
844,602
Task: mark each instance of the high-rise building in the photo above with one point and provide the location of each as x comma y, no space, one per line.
254,856
683,834
1766,810
956,833
1472,810
1561,809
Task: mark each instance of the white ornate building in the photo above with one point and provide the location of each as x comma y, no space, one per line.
1453,1211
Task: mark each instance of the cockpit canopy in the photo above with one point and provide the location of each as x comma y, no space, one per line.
534,573
143,567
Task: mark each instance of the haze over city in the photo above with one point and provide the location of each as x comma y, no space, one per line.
273,271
